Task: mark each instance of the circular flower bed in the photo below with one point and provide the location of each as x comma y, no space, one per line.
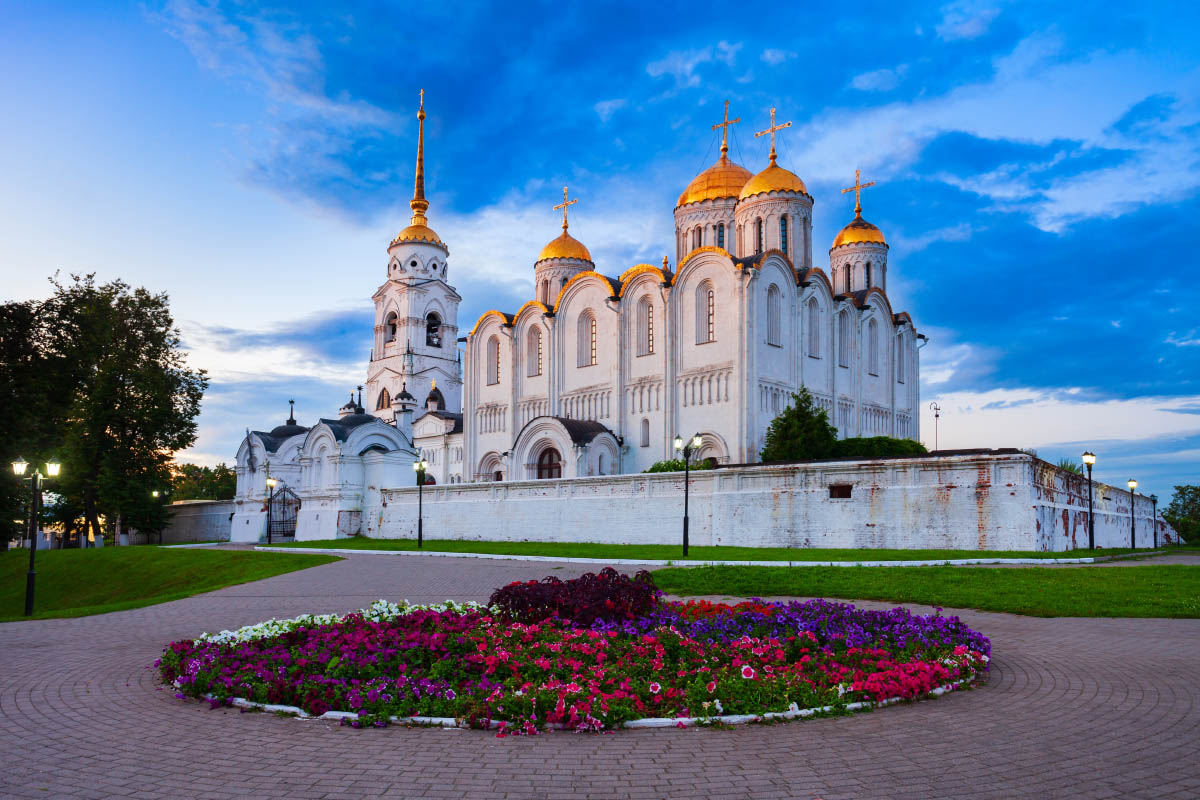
669,663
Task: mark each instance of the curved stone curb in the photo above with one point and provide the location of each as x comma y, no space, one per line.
949,562
644,722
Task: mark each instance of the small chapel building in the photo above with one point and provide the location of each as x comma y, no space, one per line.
597,373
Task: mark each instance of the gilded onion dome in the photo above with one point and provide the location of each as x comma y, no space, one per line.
566,245
773,179
859,230
418,229
723,179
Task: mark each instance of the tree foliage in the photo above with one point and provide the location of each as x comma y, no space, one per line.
801,431
1183,512
1070,466
96,376
194,482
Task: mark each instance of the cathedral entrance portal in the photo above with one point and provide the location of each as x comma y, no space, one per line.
549,464
281,514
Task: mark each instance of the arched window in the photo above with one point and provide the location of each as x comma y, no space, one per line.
873,347
814,328
774,302
847,277
433,330
385,401
867,276
697,237
390,327
546,291
705,313
645,326
721,235
645,432
844,333
533,354
600,464
549,464
899,359
783,234
586,336
758,235
493,360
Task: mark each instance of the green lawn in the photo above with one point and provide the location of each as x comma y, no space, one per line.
665,552
1136,591
76,583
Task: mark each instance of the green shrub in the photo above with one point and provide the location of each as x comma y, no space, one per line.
676,465
877,447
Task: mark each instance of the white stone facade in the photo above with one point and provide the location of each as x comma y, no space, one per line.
598,374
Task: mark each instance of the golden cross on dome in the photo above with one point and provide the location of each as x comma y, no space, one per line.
857,189
771,130
563,205
724,126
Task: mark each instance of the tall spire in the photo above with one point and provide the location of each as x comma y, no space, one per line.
419,204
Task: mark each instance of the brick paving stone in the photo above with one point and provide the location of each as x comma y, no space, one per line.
1087,708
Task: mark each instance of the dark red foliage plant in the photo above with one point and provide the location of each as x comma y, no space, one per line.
608,595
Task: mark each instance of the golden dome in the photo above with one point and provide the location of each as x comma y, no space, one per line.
773,179
859,230
722,179
417,233
565,246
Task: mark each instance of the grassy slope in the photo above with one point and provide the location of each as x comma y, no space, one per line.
75,583
670,551
1141,591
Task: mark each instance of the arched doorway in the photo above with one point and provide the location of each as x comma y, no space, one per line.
549,464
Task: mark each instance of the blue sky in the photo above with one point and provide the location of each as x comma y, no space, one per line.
1038,169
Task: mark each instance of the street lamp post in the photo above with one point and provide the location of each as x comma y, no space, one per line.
686,449
1154,519
1132,516
937,413
35,502
421,466
1089,458
271,482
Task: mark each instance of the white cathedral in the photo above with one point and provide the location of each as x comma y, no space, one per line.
597,374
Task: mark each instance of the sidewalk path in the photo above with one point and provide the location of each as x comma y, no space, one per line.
1082,708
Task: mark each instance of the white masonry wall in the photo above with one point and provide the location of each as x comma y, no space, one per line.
993,500
198,521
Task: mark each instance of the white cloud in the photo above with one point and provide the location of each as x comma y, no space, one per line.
965,19
1188,339
1040,418
728,52
606,108
1029,98
682,64
879,80
774,56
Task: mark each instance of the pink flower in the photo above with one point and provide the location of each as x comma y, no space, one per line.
655,688
748,672
712,686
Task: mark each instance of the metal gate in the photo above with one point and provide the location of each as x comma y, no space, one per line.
281,514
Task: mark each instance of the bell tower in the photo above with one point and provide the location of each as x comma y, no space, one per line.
416,315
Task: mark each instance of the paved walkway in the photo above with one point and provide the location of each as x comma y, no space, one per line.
1074,708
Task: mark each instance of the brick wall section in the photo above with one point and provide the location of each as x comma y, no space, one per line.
985,500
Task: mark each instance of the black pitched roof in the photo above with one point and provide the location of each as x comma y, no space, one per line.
582,431
458,419
342,427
